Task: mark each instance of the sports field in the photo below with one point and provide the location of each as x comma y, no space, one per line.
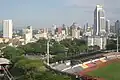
108,72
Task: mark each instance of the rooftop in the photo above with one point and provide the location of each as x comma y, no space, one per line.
100,6
4,61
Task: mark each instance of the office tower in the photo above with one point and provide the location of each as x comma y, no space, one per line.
63,30
99,21
7,28
27,33
112,28
117,26
67,30
31,33
54,29
84,29
108,26
87,25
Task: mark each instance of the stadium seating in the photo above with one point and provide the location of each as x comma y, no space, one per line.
103,59
60,67
73,70
84,66
97,61
91,65
84,63
70,71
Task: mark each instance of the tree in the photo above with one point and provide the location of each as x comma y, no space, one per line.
42,41
79,42
83,48
96,47
3,45
30,67
12,52
27,48
75,45
111,44
52,76
36,48
57,48
66,42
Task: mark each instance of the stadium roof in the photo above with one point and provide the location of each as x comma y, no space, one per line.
4,61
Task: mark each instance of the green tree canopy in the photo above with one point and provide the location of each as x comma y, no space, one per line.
12,52
111,44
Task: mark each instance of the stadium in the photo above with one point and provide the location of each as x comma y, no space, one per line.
95,67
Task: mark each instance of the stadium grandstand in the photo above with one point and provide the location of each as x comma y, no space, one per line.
4,69
79,66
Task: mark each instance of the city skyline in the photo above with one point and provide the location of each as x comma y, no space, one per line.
43,13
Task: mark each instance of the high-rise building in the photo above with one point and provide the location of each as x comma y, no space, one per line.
89,31
117,26
31,32
75,33
99,20
27,33
112,28
67,31
108,26
84,29
54,29
7,28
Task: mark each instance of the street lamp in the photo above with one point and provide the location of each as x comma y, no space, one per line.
117,44
48,51
48,55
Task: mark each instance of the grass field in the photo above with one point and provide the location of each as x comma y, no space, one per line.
109,72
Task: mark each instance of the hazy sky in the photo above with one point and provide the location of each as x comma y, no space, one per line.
44,13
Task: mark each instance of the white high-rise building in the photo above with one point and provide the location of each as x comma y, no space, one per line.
27,34
99,21
53,29
7,28
31,34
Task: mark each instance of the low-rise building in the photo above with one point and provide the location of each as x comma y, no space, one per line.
100,41
4,40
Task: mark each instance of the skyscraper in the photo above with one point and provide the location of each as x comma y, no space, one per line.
99,21
108,26
117,26
54,29
7,28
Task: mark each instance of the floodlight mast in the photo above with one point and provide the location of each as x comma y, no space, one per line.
117,44
48,55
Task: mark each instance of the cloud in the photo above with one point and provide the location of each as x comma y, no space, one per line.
111,7
83,3
107,4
